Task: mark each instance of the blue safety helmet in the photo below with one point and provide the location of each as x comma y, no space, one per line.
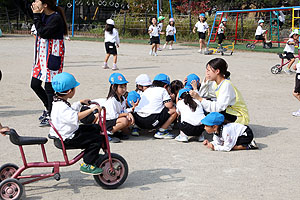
163,78
117,78
64,82
190,78
213,118
182,91
261,21
202,15
224,20
133,96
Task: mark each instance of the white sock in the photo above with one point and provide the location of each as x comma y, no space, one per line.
161,129
105,63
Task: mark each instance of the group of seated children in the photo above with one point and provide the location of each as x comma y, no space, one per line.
215,105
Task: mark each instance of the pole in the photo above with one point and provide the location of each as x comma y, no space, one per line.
57,2
124,23
73,18
236,27
157,9
171,11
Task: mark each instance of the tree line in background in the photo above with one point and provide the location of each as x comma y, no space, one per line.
179,6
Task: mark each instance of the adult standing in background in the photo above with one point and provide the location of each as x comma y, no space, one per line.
50,23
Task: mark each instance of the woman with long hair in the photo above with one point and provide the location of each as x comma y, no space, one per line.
51,26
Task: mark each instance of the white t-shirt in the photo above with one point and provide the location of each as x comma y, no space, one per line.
289,48
113,38
229,136
65,119
221,28
160,26
187,115
114,108
226,98
171,30
152,101
259,30
201,27
298,69
155,30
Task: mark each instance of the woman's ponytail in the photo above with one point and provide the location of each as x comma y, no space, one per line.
62,14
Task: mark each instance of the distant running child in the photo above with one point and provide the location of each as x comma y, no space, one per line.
170,33
289,49
112,41
221,31
202,27
65,118
296,92
229,100
154,32
117,117
155,109
227,136
191,113
160,20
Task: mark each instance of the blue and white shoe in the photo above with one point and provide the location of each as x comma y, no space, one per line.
164,135
135,132
181,138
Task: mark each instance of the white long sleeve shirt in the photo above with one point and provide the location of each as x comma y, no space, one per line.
187,115
114,108
226,98
207,89
171,30
259,30
113,38
65,119
229,136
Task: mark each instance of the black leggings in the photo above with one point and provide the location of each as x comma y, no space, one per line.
45,95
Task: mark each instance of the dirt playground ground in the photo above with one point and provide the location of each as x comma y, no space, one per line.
161,169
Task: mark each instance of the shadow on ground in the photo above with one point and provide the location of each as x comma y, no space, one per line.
14,113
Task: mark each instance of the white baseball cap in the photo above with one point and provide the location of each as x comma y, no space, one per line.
110,21
143,80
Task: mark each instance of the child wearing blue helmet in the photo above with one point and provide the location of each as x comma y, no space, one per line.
155,109
227,136
191,113
202,27
221,31
260,33
117,117
65,118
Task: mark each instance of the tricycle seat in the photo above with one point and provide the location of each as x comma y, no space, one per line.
282,56
24,140
57,143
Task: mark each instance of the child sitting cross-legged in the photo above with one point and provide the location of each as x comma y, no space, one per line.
227,136
65,118
155,109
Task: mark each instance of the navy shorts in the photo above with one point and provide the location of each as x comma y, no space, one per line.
152,121
170,38
201,35
154,40
111,48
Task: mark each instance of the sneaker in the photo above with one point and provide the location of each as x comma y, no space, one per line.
44,115
115,68
164,46
150,53
296,114
105,66
155,54
113,139
159,49
171,48
200,51
135,132
45,122
252,145
181,138
121,135
90,169
201,138
164,135
288,71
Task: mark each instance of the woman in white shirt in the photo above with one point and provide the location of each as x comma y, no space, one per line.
229,100
112,41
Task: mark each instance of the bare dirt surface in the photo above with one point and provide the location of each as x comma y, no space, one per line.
161,169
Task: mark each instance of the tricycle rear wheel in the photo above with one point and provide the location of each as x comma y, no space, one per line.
111,178
7,170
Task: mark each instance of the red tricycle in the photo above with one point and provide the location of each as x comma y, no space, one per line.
276,69
115,168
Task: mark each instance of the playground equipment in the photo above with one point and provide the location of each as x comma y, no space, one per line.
225,49
236,23
115,168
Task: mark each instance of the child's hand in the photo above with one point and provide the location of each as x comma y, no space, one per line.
195,95
135,104
36,7
97,108
118,45
162,33
4,129
185,80
130,118
194,84
210,146
85,101
205,142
